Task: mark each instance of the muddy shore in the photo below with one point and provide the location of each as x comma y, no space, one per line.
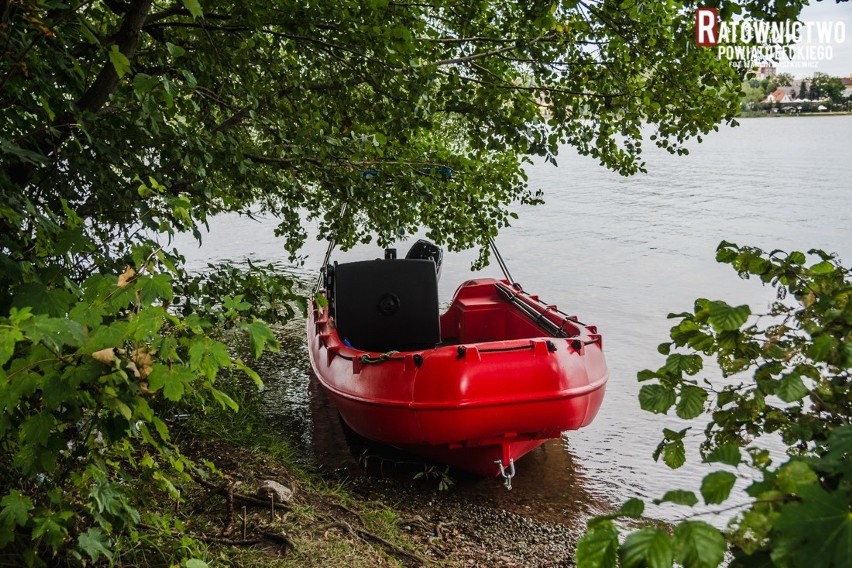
456,530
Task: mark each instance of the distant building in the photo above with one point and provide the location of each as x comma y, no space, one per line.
847,86
780,95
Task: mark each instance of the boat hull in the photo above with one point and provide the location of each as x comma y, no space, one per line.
469,403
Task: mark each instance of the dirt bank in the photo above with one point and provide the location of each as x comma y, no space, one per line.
333,520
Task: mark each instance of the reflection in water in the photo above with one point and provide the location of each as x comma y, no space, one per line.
286,396
549,485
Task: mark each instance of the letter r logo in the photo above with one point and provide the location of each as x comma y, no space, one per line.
706,27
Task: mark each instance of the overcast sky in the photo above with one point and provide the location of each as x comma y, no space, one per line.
840,65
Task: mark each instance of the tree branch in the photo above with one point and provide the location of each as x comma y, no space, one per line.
96,96
281,161
128,38
484,54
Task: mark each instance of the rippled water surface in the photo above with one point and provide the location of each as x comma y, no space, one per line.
621,253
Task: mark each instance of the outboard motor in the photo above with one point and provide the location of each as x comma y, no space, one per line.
426,250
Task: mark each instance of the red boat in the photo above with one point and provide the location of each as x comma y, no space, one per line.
477,387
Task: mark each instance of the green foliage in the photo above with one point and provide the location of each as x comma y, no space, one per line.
826,87
679,497
122,120
651,548
716,486
86,393
785,372
599,546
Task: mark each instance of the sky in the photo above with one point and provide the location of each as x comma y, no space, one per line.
840,64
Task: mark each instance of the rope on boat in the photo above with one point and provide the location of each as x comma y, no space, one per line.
366,359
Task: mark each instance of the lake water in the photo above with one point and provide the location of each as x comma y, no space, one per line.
620,253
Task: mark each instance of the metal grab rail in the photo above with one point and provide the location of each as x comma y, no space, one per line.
511,295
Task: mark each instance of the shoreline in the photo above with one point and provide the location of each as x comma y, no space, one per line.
761,114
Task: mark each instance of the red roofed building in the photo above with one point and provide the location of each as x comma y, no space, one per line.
779,96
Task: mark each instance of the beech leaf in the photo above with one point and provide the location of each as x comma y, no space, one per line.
125,277
105,356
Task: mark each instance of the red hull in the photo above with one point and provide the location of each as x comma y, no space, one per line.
497,387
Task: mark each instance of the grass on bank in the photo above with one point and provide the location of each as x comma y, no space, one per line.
220,522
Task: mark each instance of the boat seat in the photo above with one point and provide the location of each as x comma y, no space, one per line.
384,305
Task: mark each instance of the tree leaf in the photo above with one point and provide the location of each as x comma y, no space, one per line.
225,400
156,287
321,300
36,429
195,9
8,338
208,356
144,83
119,61
691,403
791,476
679,363
48,529
23,154
817,527
94,543
261,336
672,452
698,545
250,373
716,486
42,299
791,388
632,508
727,318
797,257
175,50
173,379
646,375
87,314
16,509
126,277
598,548
726,453
656,398
824,267
647,548
678,497
105,356
821,347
